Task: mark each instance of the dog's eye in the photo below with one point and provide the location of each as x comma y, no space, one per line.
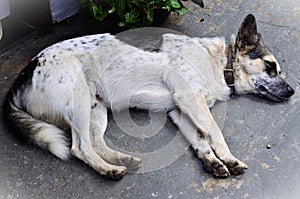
271,68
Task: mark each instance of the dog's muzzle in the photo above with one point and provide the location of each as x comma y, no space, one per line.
276,92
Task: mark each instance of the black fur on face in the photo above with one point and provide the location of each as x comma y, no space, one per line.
258,51
271,68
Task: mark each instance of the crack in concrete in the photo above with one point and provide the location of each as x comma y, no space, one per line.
279,26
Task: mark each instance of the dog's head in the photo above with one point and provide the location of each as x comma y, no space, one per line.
256,69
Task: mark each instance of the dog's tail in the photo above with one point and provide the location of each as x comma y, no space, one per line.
46,136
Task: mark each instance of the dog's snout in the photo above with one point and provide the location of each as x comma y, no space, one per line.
290,90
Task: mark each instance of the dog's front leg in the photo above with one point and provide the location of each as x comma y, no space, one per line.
194,106
199,143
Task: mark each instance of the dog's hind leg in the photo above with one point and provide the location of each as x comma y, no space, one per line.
79,119
200,145
98,127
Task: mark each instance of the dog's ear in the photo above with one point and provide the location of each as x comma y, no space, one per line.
247,35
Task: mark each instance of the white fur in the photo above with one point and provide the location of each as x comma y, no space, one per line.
55,138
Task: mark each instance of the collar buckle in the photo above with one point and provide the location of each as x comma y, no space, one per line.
228,70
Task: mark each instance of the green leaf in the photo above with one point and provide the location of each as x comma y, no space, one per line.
121,24
112,10
132,19
175,4
150,15
98,12
169,8
132,16
199,2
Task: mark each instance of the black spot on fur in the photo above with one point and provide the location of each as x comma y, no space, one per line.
42,55
83,42
22,81
258,52
46,76
98,97
94,106
60,79
271,68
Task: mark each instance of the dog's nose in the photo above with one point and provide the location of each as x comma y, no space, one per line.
290,90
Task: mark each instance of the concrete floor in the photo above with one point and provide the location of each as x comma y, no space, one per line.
249,124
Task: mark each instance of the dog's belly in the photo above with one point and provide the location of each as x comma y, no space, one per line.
155,98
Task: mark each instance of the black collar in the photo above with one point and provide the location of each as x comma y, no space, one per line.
228,70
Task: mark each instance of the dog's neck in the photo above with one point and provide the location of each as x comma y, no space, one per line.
228,70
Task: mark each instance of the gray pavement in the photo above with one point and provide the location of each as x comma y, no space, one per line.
264,135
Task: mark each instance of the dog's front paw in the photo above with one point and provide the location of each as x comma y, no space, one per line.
217,168
237,167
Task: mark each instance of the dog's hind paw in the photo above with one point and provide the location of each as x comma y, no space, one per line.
116,174
237,167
